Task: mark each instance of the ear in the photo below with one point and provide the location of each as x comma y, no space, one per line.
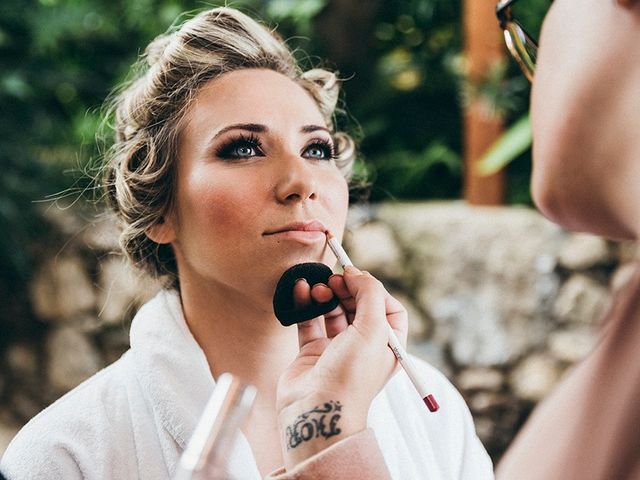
162,232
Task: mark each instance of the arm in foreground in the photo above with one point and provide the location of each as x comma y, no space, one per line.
588,427
357,456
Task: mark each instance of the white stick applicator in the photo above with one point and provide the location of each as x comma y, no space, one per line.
395,345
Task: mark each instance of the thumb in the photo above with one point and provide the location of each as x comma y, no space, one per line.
370,296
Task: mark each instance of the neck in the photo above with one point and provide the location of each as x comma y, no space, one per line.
238,336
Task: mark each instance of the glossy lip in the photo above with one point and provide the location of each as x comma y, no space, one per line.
303,232
311,227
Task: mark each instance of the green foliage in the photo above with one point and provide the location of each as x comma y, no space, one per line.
300,12
60,58
513,150
409,101
513,143
418,168
500,93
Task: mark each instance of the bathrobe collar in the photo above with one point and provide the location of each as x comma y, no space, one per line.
172,368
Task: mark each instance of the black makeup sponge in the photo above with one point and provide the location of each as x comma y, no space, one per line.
283,297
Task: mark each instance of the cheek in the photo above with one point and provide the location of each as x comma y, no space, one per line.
214,205
337,200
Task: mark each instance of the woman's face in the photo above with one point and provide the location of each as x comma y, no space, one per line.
585,110
256,184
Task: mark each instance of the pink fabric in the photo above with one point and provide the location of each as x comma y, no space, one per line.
589,427
358,456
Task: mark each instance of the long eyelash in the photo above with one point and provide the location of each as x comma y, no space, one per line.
333,154
224,150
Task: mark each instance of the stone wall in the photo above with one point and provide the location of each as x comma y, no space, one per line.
501,300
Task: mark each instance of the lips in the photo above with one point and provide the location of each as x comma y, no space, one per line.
309,226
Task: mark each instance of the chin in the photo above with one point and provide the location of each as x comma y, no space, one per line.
279,267
578,212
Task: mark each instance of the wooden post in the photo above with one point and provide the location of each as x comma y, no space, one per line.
483,47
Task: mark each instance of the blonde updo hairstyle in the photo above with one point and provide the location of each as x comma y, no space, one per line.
140,167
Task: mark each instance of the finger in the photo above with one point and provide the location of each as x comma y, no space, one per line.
310,331
335,322
321,293
339,287
370,296
301,293
397,318
375,307
340,318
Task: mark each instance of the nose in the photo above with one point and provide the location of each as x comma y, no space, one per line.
296,181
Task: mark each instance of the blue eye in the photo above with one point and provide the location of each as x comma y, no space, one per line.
240,148
319,149
243,151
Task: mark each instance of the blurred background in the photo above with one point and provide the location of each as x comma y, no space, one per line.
501,300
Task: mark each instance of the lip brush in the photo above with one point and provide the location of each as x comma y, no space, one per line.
395,345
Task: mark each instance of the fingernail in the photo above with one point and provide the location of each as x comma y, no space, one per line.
301,279
351,269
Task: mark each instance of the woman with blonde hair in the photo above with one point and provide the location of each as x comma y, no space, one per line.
226,171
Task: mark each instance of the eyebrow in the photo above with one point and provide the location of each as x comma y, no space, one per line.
314,128
259,128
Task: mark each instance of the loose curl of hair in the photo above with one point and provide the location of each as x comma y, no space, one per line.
140,167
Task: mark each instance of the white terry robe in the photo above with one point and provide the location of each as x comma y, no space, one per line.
134,418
